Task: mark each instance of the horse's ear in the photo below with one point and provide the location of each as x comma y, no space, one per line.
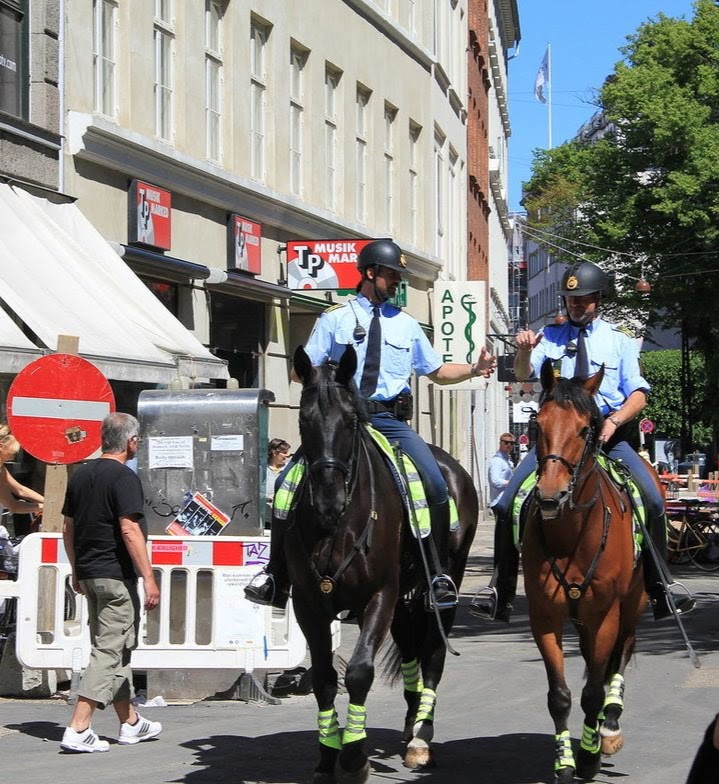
302,364
593,383
546,376
347,367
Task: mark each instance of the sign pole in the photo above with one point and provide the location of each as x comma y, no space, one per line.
56,473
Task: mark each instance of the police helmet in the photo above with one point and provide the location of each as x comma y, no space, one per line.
381,253
585,278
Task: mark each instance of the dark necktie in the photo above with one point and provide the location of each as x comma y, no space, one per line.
374,349
581,368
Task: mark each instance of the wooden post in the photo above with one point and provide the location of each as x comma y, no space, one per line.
56,475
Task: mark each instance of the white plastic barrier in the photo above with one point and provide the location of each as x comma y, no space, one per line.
202,621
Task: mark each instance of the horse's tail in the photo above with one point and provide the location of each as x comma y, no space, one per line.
391,663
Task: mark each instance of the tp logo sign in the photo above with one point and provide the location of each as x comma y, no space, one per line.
459,315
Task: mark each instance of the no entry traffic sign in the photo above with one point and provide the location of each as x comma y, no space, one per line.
55,408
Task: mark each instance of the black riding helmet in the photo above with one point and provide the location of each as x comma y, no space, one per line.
381,253
585,278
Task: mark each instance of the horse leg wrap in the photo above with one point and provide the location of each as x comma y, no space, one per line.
412,676
615,692
356,723
329,729
426,705
563,754
590,739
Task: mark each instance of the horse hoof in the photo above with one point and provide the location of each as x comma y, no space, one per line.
419,757
564,775
588,765
611,744
359,776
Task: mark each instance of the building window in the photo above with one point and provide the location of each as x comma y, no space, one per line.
213,78
453,211
14,46
414,132
298,59
361,134
258,87
412,16
439,194
390,113
105,57
332,79
164,77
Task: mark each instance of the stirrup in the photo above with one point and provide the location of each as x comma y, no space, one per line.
684,601
485,609
449,594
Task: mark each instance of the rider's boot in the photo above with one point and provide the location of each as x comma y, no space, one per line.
272,585
494,603
653,584
436,545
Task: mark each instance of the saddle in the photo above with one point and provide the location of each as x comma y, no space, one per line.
621,478
406,476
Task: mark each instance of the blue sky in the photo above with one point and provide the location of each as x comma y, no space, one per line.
585,39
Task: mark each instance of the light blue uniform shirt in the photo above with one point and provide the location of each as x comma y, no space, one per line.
499,474
405,347
606,345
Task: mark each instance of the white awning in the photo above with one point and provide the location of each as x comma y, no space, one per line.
60,277
16,350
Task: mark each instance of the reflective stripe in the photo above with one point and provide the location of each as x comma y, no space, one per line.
286,491
453,515
412,676
356,723
427,702
590,739
563,754
615,693
329,729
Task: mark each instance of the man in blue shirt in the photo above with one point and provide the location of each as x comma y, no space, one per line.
621,397
390,345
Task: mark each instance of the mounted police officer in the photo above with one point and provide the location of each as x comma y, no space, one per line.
621,397
390,345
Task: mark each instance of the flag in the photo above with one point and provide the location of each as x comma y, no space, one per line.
541,83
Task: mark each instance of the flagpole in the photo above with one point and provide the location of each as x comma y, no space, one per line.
549,93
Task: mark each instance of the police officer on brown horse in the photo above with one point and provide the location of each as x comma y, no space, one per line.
579,348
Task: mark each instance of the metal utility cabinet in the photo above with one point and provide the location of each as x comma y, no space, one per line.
211,442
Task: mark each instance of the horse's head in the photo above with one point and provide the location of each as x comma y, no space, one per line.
330,414
568,425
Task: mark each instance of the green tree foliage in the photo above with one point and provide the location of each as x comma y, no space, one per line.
662,369
648,191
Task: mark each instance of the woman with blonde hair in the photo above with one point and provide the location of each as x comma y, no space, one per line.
14,497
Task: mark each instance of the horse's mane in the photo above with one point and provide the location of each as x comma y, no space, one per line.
328,392
570,393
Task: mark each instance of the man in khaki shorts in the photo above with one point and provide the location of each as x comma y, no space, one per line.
105,539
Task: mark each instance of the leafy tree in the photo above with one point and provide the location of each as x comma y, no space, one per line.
662,369
644,199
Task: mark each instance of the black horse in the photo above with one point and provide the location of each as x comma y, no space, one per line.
350,548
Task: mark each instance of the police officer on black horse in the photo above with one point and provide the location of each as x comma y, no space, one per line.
390,345
579,347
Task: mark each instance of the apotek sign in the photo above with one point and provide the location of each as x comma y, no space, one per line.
459,308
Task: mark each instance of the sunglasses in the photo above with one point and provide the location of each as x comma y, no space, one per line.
505,441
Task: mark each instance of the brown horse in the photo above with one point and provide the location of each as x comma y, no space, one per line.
349,548
579,564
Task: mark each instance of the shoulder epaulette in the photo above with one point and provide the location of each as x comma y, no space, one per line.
624,330
335,307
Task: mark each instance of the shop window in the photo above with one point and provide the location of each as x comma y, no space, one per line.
14,74
237,330
167,293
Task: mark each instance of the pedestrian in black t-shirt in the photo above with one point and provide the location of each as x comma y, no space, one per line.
105,539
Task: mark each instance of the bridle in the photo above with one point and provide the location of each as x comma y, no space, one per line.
577,479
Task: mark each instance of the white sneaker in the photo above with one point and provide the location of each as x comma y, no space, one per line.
141,730
82,741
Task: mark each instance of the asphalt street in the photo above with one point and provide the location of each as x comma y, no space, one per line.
491,720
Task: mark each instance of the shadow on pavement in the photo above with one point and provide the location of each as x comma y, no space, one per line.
291,756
